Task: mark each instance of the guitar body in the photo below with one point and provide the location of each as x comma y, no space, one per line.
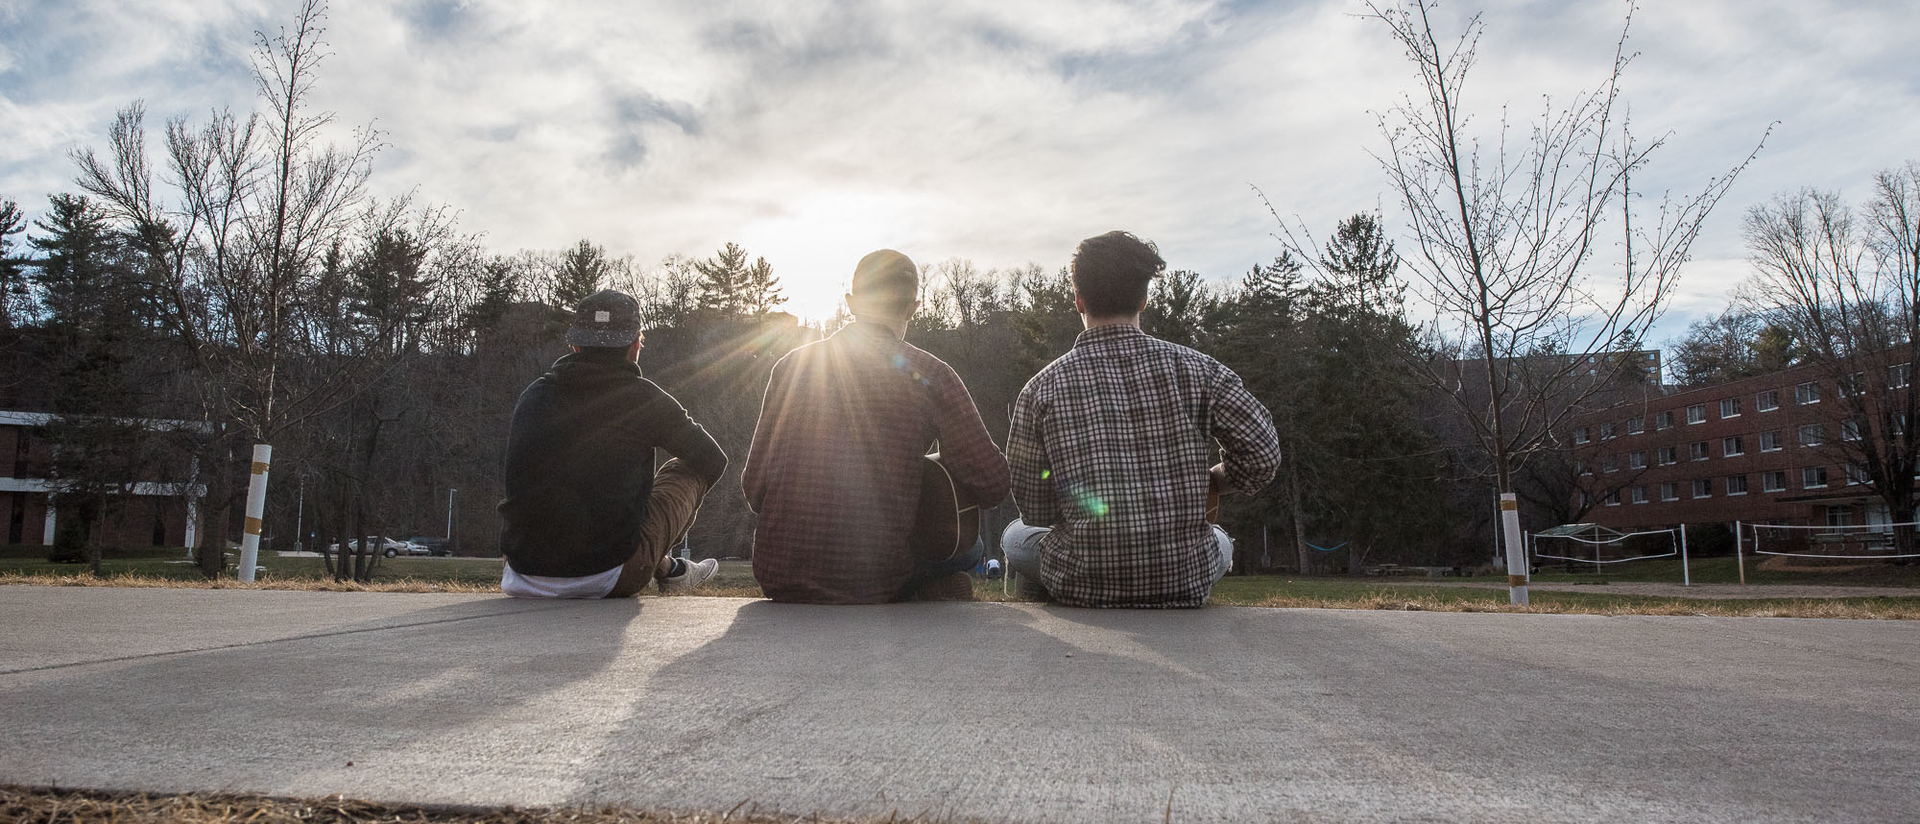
942,528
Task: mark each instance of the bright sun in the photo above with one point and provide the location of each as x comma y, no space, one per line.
814,244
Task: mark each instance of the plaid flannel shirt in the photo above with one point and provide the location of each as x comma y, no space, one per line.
834,470
1110,447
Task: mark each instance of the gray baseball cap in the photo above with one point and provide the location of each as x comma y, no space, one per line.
605,318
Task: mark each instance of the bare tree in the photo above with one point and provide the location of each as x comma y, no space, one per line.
1505,237
255,205
1847,286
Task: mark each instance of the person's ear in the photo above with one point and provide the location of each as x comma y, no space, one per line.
1079,303
1144,300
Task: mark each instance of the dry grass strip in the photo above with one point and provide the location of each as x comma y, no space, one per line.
23,805
1856,608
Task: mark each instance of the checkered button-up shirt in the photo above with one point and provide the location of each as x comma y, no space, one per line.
1110,447
834,470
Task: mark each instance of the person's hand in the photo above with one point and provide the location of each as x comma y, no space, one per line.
1216,486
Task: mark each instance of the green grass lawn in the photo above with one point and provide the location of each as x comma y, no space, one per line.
1274,590
1723,571
172,564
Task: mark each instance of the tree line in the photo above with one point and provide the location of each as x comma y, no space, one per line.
234,270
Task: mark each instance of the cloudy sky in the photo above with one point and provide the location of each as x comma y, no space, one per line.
1002,132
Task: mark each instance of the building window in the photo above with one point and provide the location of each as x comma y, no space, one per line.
1899,375
1813,477
1813,434
1697,413
1729,407
1636,425
1766,401
1839,516
1607,431
1856,474
1669,455
1580,435
1636,460
1703,488
1663,420
1639,494
1851,385
1670,491
1770,441
1850,429
1736,484
1735,445
1581,468
1805,393
1775,481
1610,463
1613,497
1697,450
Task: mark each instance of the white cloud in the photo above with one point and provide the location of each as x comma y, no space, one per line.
998,131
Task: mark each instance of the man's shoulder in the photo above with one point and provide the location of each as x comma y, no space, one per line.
924,360
1180,352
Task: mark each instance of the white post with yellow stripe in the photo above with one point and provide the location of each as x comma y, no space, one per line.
1516,549
256,508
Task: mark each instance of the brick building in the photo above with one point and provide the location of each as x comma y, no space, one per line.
1758,450
154,514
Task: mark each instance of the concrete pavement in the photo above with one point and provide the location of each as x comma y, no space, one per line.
992,712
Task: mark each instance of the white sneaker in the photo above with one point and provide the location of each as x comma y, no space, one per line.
695,574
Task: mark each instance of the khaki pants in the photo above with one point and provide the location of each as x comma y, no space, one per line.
671,508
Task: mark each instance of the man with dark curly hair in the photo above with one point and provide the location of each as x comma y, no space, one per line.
1110,446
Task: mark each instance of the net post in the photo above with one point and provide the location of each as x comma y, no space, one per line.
1740,552
1686,573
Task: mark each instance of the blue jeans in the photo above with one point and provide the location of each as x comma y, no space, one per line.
965,561
1021,544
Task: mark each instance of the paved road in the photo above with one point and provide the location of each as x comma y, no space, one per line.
994,712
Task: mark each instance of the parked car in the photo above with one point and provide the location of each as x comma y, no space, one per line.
431,546
382,544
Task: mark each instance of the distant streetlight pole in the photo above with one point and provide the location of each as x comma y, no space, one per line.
450,493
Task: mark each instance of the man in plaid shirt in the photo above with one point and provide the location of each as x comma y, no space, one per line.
834,470
1110,446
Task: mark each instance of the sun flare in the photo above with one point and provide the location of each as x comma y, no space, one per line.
814,243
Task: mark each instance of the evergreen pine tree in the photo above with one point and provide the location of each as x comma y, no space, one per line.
72,273
582,271
726,281
15,297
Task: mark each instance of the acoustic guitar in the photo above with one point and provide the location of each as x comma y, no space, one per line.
942,528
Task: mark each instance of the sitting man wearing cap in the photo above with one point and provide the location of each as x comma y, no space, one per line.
586,515
837,456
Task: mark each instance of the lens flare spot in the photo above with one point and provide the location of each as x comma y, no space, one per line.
1045,474
1093,505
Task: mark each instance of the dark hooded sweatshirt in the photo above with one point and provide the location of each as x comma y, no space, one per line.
580,464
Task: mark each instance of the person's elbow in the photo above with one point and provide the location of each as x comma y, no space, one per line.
1252,474
994,485
712,468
